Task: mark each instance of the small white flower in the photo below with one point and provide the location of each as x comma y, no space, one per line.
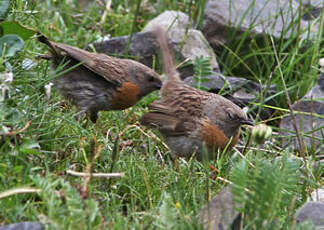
5,80
6,77
48,88
102,38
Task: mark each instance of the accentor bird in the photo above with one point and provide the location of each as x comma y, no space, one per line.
189,118
95,81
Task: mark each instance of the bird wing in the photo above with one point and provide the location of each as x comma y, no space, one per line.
103,65
179,111
165,120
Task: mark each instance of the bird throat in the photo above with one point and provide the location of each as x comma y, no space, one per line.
125,96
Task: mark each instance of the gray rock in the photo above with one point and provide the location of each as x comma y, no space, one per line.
321,82
239,90
23,226
311,211
317,195
311,123
317,92
178,21
272,17
190,45
147,6
216,82
220,213
144,47
311,9
315,3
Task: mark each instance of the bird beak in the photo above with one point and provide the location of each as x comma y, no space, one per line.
247,122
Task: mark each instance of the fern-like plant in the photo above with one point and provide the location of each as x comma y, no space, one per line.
202,69
268,192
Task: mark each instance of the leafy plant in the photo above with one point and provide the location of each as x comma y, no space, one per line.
267,191
65,208
10,44
202,69
167,212
12,33
14,27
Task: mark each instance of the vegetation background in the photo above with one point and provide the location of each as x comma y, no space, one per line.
156,192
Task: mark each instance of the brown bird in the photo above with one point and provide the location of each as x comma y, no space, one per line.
189,118
95,81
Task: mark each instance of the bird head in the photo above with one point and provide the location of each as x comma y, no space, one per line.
144,77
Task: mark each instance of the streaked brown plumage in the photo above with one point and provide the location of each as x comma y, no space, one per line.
100,82
188,117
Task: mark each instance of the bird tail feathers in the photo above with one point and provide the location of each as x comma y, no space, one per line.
43,39
167,56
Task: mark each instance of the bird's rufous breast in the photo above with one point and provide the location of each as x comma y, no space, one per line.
215,138
125,96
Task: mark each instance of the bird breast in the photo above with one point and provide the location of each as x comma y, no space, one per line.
214,137
125,96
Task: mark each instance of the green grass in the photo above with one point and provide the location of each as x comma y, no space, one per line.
156,192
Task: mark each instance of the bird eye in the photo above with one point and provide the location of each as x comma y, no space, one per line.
231,114
151,79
